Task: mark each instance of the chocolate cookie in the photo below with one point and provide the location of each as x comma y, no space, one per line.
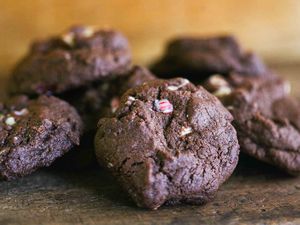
99,100
169,142
72,60
267,119
34,133
77,66
198,58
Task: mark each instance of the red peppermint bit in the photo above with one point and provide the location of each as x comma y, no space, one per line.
163,106
114,104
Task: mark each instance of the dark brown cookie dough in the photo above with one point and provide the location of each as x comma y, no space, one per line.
198,58
137,76
267,119
99,100
169,142
33,133
79,67
72,60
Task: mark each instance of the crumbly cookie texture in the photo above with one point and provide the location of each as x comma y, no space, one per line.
71,60
169,142
33,133
198,58
266,117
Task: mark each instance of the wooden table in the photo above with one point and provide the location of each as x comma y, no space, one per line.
255,194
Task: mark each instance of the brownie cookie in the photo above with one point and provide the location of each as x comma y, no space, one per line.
169,142
99,100
72,60
78,67
33,133
267,119
198,58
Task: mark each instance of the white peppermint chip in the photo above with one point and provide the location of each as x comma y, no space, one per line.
130,100
218,81
185,130
183,83
68,38
21,112
88,32
172,88
222,91
230,107
10,121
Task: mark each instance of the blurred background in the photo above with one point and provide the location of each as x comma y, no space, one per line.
269,27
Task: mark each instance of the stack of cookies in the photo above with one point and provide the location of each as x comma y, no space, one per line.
167,140
266,117
87,68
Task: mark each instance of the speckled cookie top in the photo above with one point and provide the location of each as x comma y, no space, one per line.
35,132
71,60
169,142
265,115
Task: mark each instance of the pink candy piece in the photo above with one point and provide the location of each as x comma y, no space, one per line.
114,104
163,106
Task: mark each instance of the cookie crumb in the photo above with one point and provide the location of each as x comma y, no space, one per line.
163,106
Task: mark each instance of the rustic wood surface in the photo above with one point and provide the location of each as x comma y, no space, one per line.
255,194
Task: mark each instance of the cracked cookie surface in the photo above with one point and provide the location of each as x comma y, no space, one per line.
266,117
75,59
169,142
33,133
198,58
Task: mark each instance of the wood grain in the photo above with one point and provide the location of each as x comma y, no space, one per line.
272,28
255,194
